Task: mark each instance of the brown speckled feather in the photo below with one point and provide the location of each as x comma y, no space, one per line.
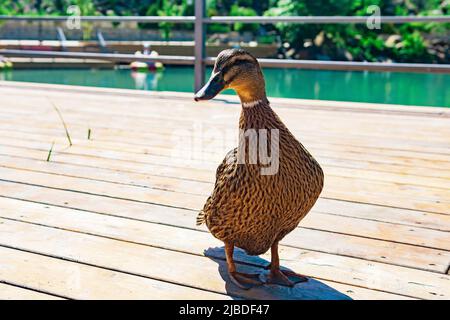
251,210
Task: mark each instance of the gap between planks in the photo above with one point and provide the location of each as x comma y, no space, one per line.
12,291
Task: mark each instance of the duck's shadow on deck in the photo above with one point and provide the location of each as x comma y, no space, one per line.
310,290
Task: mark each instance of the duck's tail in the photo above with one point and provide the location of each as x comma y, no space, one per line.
201,218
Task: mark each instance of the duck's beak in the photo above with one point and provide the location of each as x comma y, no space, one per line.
211,89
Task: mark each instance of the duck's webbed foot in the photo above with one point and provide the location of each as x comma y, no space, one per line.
285,278
282,277
242,280
245,280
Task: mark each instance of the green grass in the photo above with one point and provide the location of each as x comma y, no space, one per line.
50,152
63,122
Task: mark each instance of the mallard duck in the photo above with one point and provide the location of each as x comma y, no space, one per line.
249,208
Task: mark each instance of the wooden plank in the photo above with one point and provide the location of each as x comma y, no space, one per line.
382,183
387,167
397,177
11,292
387,252
167,139
106,170
337,168
359,169
173,122
295,114
112,95
378,230
147,195
97,101
150,262
128,166
167,155
40,151
156,137
79,281
382,193
202,272
384,214
176,155
372,229
382,251
16,293
148,179
33,89
225,138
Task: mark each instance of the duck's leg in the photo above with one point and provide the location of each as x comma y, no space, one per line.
281,277
242,280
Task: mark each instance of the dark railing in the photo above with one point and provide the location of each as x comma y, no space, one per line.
200,60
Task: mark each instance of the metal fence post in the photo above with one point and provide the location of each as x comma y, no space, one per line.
199,39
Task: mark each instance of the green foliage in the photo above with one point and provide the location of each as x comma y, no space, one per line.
296,34
356,41
213,8
236,10
87,8
413,48
170,8
411,41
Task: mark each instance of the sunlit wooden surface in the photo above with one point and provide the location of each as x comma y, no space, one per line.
113,216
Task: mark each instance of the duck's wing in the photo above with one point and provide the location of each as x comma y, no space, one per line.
228,168
225,174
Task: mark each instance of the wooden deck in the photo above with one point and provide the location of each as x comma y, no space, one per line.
114,216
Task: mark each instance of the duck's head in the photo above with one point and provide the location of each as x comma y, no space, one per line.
235,69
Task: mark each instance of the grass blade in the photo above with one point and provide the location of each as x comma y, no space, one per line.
63,122
50,151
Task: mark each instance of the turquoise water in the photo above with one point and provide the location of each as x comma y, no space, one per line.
378,87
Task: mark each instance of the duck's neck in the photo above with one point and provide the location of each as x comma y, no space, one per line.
258,114
251,90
